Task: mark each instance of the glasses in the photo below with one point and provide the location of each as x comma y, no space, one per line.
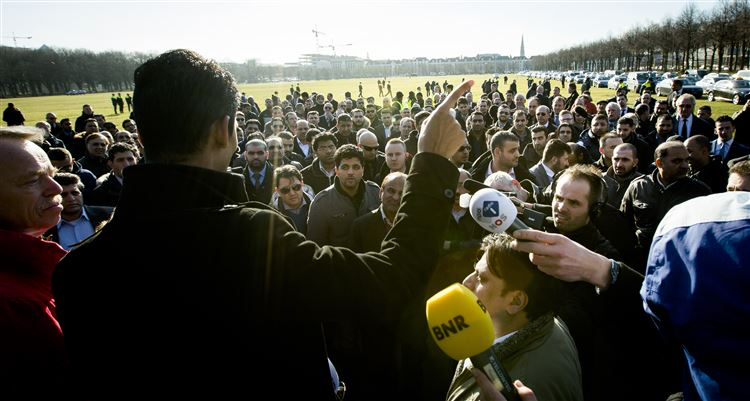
465,148
369,148
286,190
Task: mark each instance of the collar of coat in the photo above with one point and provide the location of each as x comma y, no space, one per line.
155,187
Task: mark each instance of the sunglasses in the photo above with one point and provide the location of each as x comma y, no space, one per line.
295,187
370,148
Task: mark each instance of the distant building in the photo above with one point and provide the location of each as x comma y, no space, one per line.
523,51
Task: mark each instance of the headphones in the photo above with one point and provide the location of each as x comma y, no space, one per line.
595,208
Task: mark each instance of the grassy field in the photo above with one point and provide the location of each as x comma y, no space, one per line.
35,108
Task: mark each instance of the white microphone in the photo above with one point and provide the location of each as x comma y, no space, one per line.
495,212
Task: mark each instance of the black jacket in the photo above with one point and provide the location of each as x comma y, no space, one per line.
98,166
314,177
373,167
221,294
479,169
715,174
80,124
368,231
646,202
645,152
107,191
260,193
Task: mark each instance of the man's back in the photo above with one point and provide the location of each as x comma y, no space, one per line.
228,298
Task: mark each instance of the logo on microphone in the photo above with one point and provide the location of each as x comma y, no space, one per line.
490,209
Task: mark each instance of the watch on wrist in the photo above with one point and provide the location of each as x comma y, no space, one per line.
614,271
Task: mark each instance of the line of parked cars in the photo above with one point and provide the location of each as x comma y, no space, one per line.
716,86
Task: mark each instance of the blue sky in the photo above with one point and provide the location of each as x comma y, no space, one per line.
278,31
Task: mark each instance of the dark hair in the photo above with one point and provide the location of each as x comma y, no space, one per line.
421,116
662,150
498,140
285,135
59,154
349,151
539,128
312,133
287,171
705,107
90,137
555,148
626,121
343,118
193,91
121,147
642,108
725,119
326,136
518,273
254,121
65,179
592,176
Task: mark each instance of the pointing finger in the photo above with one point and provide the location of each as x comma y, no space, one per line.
452,98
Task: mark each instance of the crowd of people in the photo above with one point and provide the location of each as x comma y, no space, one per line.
136,248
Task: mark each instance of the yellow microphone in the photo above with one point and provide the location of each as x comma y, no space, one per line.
462,328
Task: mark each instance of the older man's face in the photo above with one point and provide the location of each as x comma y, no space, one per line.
30,197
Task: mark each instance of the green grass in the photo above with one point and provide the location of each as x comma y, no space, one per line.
35,108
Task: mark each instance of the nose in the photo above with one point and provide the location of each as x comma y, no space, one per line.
52,188
470,282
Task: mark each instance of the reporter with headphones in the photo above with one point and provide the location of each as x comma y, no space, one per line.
610,330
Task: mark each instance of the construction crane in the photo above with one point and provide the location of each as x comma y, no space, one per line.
15,38
316,32
333,47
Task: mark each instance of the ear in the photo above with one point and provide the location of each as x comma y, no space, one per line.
219,135
518,302
109,163
657,162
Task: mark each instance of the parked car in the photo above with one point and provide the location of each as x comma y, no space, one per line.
707,83
664,88
615,80
697,72
601,81
636,79
744,74
735,90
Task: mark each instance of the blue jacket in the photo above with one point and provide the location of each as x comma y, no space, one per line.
696,291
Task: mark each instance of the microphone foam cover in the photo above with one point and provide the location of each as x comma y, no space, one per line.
459,323
492,210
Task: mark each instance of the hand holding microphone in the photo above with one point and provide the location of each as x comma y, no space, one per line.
496,212
462,328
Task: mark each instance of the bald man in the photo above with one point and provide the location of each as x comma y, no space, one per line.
656,193
374,159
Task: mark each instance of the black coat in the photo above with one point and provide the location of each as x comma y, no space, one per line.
479,169
315,178
220,295
260,193
368,232
107,191
715,174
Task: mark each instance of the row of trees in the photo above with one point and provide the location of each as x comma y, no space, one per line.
48,71
717,40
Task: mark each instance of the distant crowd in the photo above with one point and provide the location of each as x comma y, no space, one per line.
603,174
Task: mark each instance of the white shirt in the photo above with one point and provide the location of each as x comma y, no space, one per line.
489,171
500,340
548,170
305,147
328,174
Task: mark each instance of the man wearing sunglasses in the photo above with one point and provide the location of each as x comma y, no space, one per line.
292,201
374,159
214,281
